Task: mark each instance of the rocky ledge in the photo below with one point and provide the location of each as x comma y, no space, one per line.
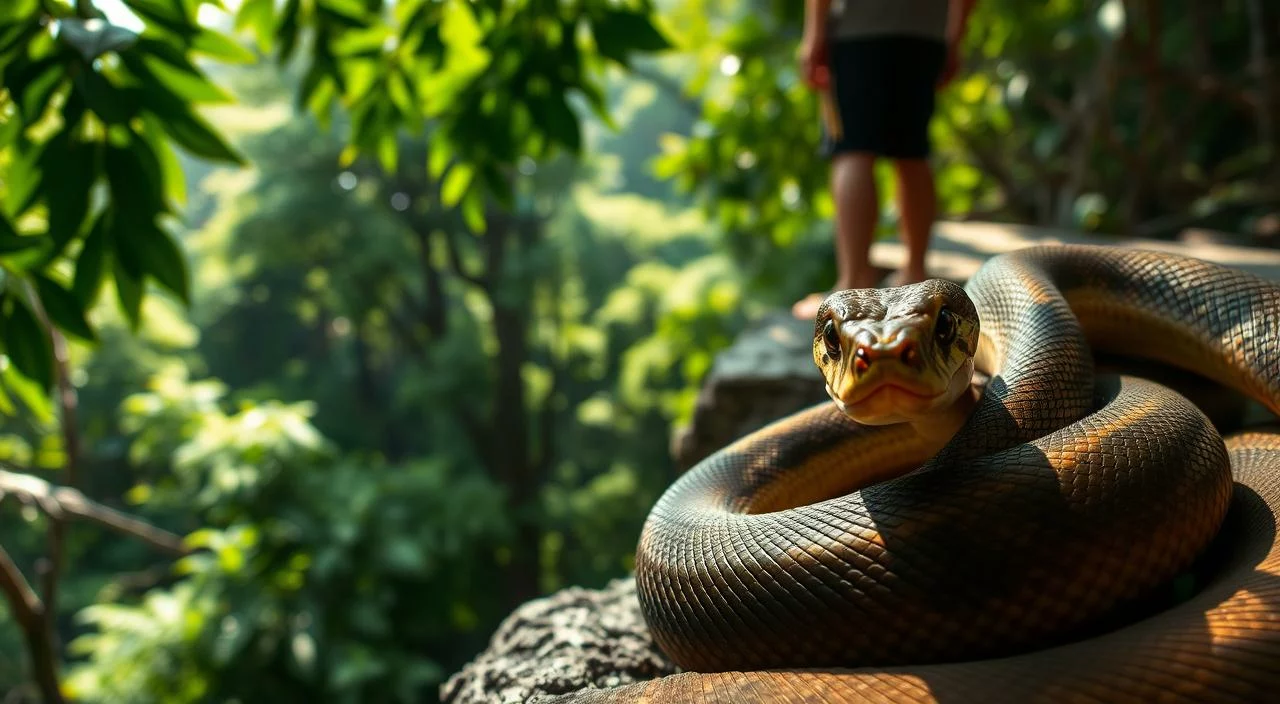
572,640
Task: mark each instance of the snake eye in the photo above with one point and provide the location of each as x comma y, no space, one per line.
831,339
945,328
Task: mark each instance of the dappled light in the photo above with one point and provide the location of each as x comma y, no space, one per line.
347,327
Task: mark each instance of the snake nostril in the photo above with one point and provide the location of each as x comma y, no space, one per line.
908,354
861,359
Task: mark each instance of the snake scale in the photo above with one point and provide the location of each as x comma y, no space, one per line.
929,537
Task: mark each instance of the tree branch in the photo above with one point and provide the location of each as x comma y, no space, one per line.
29,612
67,401
26,604
1205,85
68,404
406,332
455,261
994,166
434,311
62,503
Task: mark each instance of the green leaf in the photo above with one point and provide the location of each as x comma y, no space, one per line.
70,170
11,241
456,183
18,33
499,186
94,37
361,43
620,31
473,211
257,15
388,152
142,249
23,177
558,119
171,173
350,9
221,47
64,308
599,106
126,228
128,294
170,14
6,404
439,154
401,93
167,65
163,260
188,130
90,263
45,78
33,397
287,30
114,105
195,135
185,82
73,110
317,76
15,10
134,180
27,343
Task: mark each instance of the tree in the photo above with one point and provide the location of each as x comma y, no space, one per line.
93,113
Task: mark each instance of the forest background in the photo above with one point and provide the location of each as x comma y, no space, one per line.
334,329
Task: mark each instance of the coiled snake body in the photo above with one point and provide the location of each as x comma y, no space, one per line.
952,543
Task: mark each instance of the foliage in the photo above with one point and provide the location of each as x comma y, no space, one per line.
96,108
324,578
98,118
428,303
1116,116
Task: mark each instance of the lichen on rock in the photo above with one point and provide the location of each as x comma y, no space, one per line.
572,640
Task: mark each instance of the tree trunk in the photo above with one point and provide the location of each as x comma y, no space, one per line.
510,454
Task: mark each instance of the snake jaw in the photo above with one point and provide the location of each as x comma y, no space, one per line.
893,401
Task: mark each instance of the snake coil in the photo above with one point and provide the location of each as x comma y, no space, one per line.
822,559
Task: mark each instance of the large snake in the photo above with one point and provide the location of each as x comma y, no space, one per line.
929,537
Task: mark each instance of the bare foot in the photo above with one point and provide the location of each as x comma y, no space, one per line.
807,308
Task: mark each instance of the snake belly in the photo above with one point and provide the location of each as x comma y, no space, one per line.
1064,496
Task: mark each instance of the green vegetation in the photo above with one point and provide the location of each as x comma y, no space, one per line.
377,316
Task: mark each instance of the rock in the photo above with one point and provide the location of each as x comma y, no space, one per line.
1198,236
574,639
766,374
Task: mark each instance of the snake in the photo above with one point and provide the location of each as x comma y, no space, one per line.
981,512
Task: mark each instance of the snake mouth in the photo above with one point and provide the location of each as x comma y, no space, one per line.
898,397
889,399
895,395
870,392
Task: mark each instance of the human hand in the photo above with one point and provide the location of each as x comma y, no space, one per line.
815,67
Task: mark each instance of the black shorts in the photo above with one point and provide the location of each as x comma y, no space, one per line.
884,90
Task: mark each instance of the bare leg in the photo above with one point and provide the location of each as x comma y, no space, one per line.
918,205
853,186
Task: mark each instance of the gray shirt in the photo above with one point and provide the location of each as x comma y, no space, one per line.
864,18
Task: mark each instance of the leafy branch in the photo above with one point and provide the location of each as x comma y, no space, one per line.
37,614
63,503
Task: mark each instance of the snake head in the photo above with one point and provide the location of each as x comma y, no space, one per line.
899,354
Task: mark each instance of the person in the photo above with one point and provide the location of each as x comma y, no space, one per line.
877,65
